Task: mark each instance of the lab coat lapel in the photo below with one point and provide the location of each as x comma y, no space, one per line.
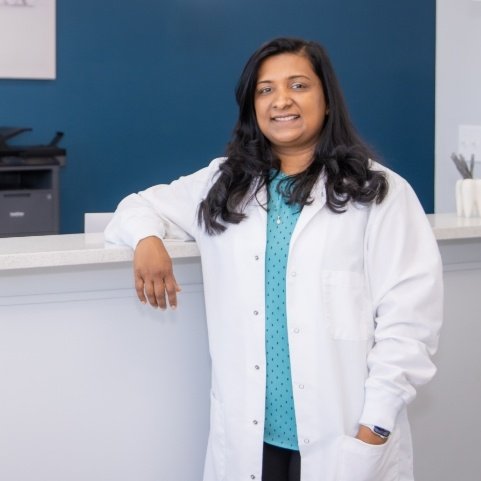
318,195
257,213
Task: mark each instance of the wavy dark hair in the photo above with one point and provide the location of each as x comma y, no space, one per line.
340,153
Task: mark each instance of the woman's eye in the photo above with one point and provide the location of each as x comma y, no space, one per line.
298,86
264,90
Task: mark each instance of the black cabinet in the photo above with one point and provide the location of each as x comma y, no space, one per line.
29,200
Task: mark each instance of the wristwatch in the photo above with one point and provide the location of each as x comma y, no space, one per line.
378,431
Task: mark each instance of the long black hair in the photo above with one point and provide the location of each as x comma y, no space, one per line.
340,153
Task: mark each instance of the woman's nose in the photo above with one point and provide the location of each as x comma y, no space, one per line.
282,99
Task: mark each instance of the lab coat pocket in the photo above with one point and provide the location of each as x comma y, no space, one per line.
217,437
359,461
345,305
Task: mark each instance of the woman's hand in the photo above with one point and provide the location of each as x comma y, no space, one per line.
153,272
367,436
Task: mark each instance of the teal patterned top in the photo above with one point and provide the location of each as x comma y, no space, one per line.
280,420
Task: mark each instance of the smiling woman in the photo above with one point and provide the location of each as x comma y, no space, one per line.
320,138
290,109
317,342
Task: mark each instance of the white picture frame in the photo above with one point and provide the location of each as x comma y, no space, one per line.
28,39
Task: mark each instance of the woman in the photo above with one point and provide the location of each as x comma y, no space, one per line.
322,282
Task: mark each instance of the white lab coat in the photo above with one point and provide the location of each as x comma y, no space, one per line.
364,308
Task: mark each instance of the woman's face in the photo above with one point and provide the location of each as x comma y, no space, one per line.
289,103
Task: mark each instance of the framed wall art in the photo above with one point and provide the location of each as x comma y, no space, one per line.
27,39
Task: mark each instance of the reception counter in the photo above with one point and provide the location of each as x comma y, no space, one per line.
95,386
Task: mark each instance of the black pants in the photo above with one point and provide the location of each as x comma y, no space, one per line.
280,464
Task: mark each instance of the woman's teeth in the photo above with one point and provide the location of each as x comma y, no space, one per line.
286,118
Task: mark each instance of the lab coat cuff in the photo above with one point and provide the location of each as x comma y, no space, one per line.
139,229
138,238
381,409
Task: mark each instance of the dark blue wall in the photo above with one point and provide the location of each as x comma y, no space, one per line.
144,90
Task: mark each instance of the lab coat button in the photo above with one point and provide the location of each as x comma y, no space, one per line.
252,476
255,421
301,386
257,367
293,273
256,258
296,330
256,313
306,441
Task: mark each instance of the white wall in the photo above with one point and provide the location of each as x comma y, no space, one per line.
458,88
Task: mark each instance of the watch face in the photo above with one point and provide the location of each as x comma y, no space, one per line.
384,433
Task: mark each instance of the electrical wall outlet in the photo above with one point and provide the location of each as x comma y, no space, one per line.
469,142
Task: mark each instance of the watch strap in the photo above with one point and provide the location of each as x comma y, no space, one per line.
378,431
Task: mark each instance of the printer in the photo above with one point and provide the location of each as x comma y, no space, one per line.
29,185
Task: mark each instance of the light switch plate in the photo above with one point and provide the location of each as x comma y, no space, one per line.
469,142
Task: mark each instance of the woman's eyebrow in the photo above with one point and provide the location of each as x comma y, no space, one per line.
291,77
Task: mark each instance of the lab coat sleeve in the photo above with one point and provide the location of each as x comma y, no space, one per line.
404,272
168,211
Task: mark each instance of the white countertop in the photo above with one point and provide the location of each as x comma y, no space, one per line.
452,227
73,249
79,249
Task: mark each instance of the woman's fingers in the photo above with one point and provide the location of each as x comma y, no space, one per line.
159,292
171,288
154,277
139,287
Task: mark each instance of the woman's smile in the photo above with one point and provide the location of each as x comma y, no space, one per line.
290,105
285,118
